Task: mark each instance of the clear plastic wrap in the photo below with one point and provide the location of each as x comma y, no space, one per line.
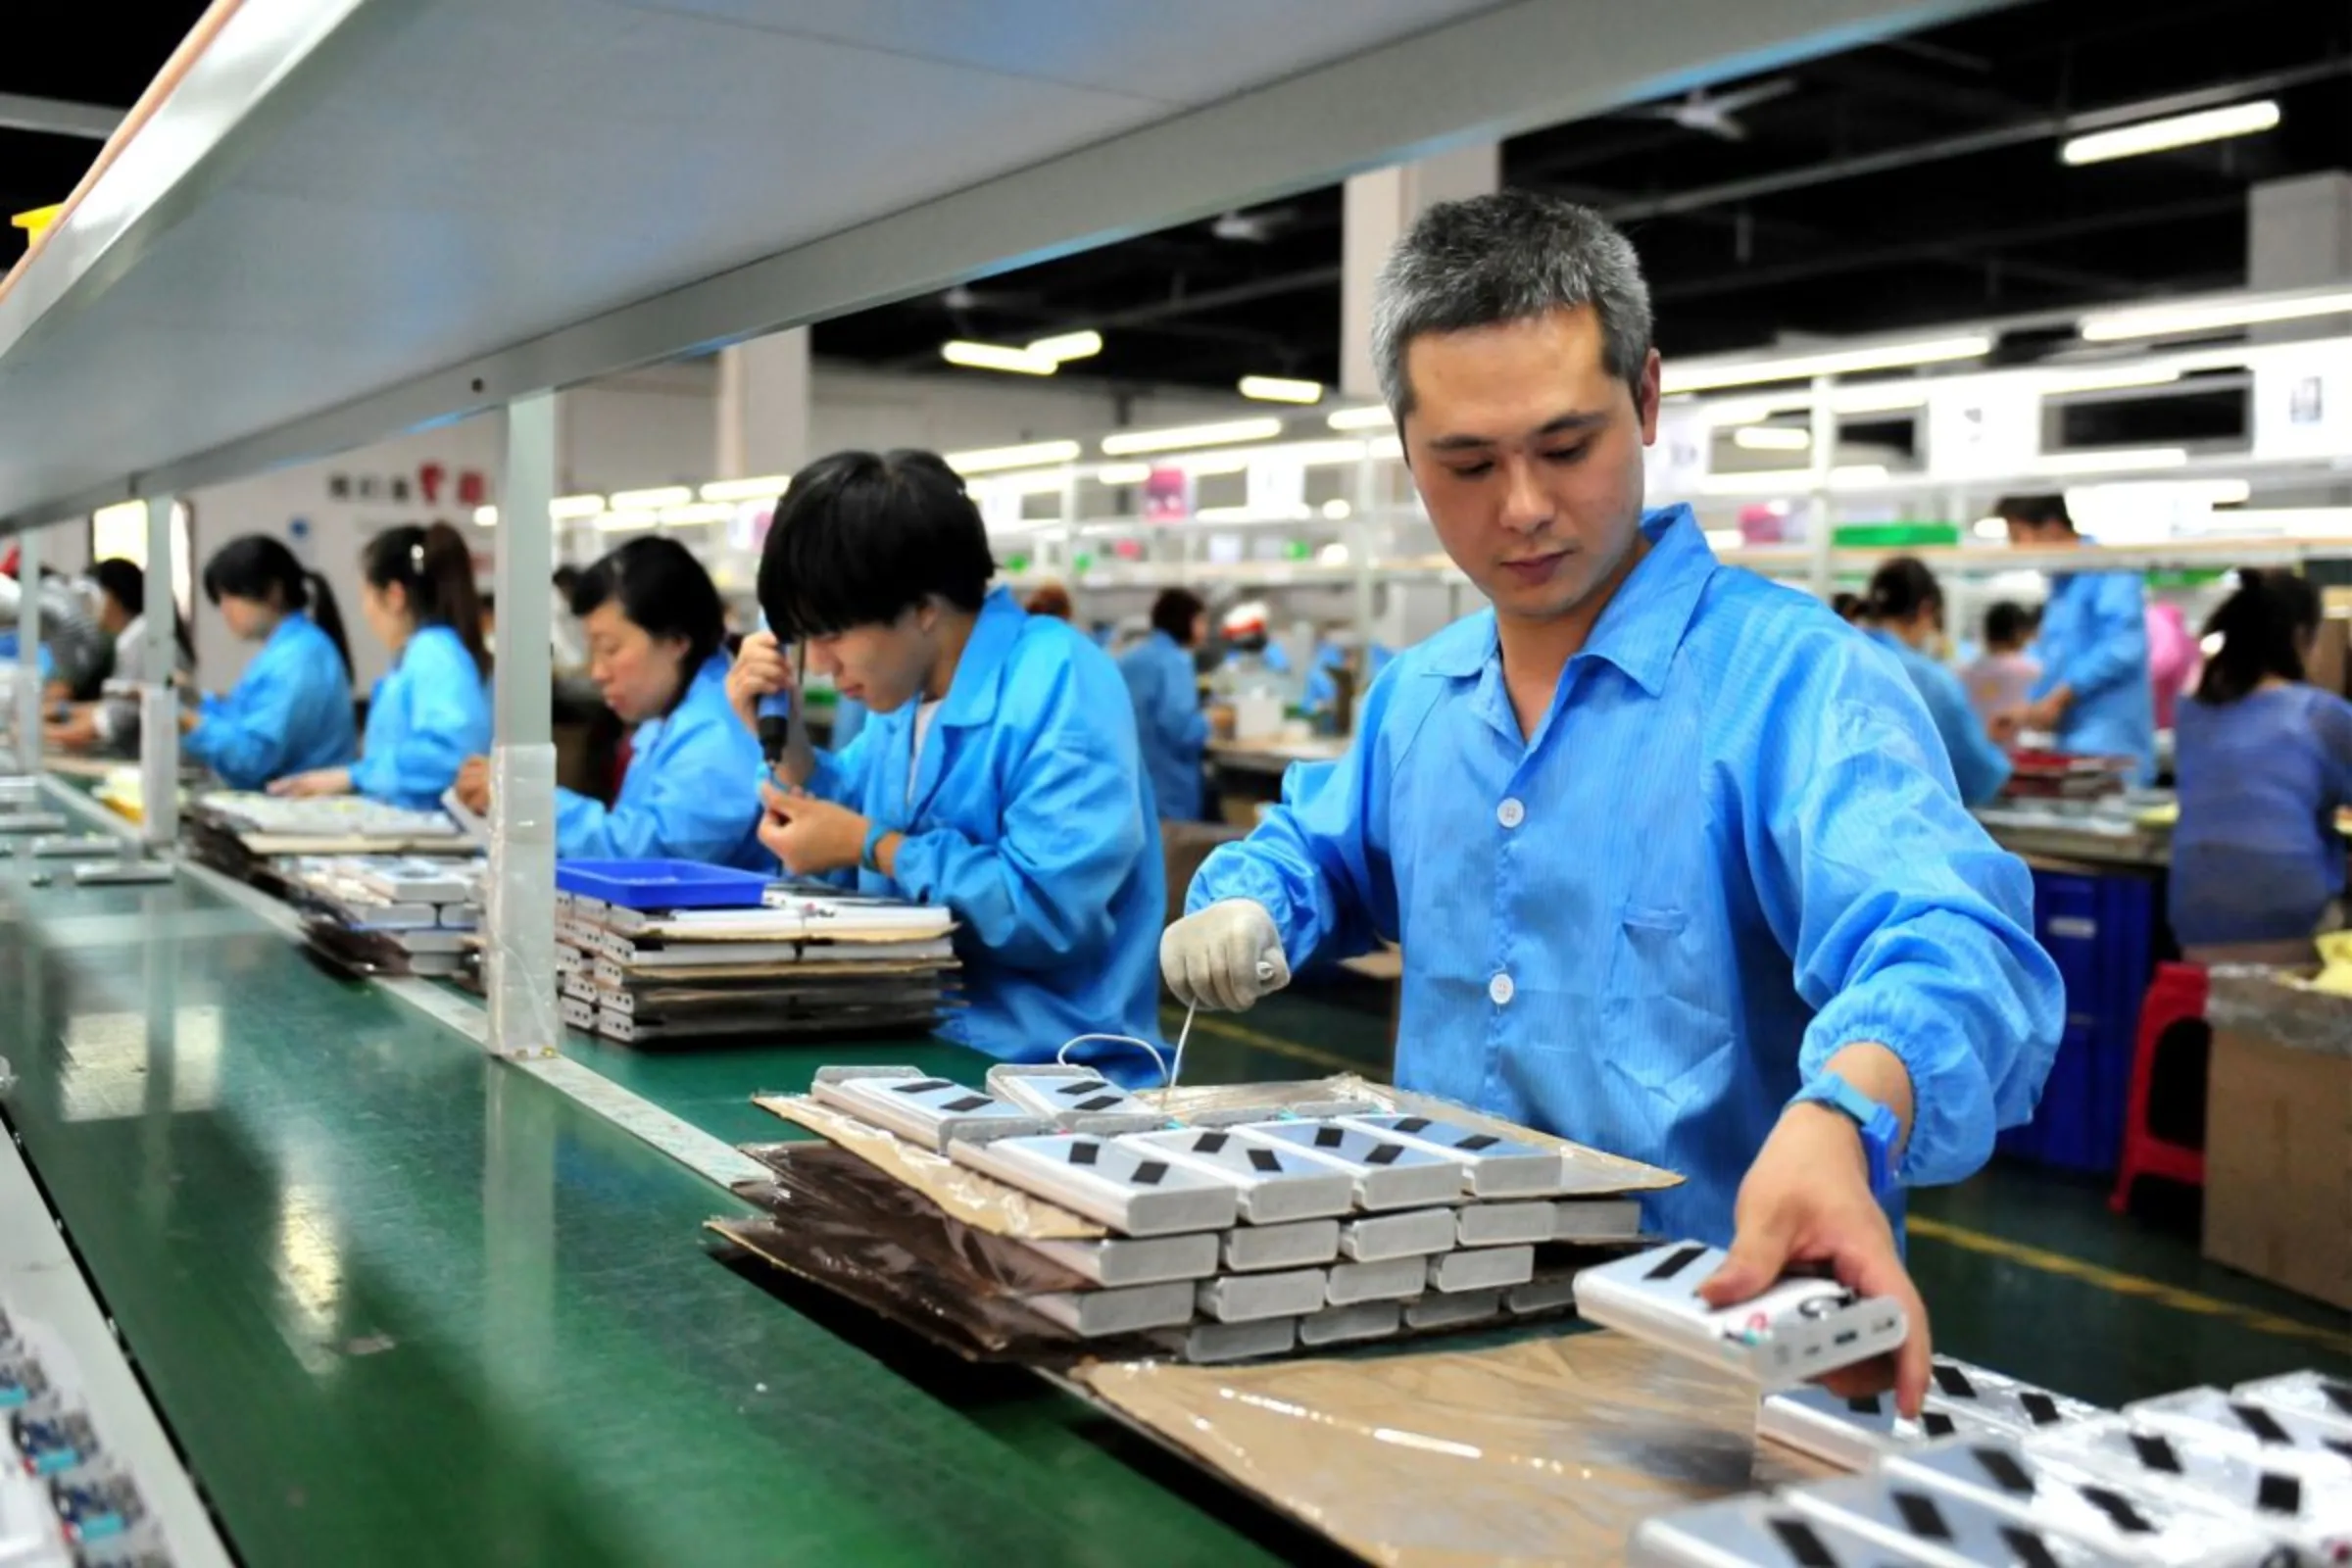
519,933
1548,1450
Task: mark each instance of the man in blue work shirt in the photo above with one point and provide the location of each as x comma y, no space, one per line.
1676,858
2093,692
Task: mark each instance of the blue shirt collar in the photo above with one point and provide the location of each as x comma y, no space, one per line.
1642,627
972,690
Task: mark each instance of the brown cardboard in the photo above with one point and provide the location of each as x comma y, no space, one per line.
1183,846
2279,1164
2329,669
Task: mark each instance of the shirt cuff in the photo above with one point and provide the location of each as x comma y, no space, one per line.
1953,1120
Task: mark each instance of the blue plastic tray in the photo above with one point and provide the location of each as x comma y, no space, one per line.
662,884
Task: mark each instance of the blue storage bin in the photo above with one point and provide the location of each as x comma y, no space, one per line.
2100,931
662,884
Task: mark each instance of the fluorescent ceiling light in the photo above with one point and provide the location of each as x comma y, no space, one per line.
2173,130
1858,475
653,500
2123,376
565,509
485,517
1990,528
699,512
1375,417
1202,465
625,519
1316,454
1066,346
2152,492
1793,481
1334,554
1290,512
759,487
1020,482
1127,443
1338,510
1890,399
997,357
2121,461
1123,473
1703,376
1281,389
1385,448
1719,540
1036,454
1772,438
2160,320
2292,522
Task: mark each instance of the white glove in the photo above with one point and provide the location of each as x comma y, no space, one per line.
1227,957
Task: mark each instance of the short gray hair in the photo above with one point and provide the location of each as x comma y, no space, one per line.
1506,258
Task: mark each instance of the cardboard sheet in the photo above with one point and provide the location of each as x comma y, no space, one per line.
1545,1449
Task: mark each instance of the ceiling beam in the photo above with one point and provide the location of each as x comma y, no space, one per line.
55,116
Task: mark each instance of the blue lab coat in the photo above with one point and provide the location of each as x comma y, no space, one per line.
1732,848
2256,856
1030,820
289,713
429,715
2094,639
692,791
1979,766
1168,722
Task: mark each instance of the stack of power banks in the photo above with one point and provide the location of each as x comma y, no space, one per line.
422,914
1254,1233
2257,1478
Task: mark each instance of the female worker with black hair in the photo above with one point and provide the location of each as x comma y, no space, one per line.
1166,689
655,630
998,775
1903,613
432,711
112,724
2264,762
290,712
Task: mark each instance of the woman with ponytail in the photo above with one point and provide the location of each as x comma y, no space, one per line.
291,710
432,711
1903,613
2264,762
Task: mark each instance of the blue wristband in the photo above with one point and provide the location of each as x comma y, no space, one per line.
875,833
1877,1124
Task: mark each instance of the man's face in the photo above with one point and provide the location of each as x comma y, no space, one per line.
881,663
2026,534
1528,455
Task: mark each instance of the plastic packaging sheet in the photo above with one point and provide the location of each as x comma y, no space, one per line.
519,928
980,1201
1549,1449
2280,1007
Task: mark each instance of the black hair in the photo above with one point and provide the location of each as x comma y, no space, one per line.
2007,625
1174,612
567,580
434,568
262,570
1900,589
2036,509
1848,607
2262,627
659,585
127,585
862,538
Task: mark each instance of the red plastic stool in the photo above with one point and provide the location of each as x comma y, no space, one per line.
2176,996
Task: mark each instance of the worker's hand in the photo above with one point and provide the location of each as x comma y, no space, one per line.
317,781
1226,957
760,670
2047,713
810,835
2006,725
77,731
473,785
1806,1200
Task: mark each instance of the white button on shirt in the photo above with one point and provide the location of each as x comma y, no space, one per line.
1502,990
1511,813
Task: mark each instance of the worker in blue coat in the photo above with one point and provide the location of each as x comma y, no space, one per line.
432,711
1166,689
656,632
1675,859
1903,613
998,775
290,712
2093,692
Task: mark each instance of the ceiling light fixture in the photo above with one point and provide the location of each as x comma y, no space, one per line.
1123,473
1772,438
1336,511
1281,389
485,517
997,357
698,511
569,508
626,520
2119,461
653,500
2163,321
1375,417
1704,376
1128,443
1285,512
1036,454
2123,376
2173,130
1064,346
759,487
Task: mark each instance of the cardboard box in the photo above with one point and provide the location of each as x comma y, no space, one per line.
1183,846
2278,1163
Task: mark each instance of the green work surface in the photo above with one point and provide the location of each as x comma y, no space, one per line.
399,1302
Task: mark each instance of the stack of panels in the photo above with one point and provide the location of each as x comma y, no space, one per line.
1256,1232
252,837
801,965
390,912
1998,1472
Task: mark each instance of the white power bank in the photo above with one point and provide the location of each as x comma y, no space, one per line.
1078,1098
1395,1280
1856,1434
916,1107
1492,1166
1277,1185
1796,1330
1945,1528
1748,1533
2307,1394
1090,1315
1302,1243
1245,1298
1487,1268
1413,1235
2004,1401
1130,1260
2252,1428
1128,1191
1503,1224
2286,1503
1339,1325
1389,1172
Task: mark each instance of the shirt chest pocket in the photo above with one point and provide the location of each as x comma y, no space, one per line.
1666,999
